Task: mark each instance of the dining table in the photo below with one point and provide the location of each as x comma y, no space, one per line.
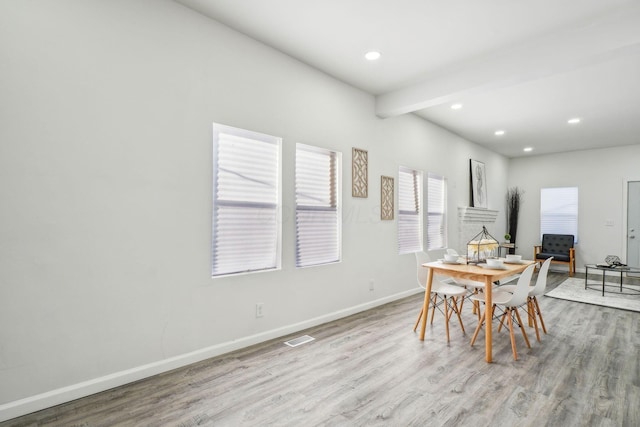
478,273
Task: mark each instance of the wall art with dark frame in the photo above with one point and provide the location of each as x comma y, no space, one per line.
478,184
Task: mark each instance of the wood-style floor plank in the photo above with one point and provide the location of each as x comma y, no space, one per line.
371,369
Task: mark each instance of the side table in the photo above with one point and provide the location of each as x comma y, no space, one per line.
616,269
506,247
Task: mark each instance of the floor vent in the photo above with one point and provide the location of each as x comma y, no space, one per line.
299,341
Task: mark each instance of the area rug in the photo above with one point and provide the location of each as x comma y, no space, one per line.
573,289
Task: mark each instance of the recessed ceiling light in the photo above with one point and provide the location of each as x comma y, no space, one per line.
499,132
372,55
527,149
574,120
456,106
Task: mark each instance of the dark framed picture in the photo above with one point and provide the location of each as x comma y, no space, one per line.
478,184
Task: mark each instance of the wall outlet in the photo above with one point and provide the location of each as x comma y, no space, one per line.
259,309
371,285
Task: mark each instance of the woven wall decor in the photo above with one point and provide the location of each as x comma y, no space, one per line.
386,197
359,173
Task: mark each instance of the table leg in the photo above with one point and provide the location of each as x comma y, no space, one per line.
603,282
620,281
488,319
425,306
586,276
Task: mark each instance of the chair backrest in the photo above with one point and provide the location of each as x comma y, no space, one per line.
521,293
422,272
541,281
557,243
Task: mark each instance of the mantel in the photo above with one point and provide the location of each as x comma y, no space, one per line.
470,222
467,214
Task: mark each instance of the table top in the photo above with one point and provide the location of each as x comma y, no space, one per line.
477,273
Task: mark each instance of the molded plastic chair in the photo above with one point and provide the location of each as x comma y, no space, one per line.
441,294
533,308
510,302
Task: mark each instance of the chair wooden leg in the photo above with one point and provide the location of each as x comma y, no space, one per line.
524,333
504,315
434,303
475,334
537,307
572,267
531,313
418,321
529,310
458,310
450,308
511,334
446,316
475,305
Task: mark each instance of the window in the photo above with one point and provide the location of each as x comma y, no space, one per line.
318,200
409,210
436,212
559,211
246,201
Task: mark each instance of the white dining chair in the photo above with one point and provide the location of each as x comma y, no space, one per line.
533,308
510,302
442,294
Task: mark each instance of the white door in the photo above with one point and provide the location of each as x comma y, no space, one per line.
633,224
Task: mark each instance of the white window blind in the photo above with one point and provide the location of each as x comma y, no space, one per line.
559,211
436,212
409,210
246,201
318,200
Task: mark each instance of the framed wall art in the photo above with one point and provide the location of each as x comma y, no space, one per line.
359,173
478,184
386,198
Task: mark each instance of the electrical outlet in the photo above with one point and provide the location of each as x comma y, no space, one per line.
259,309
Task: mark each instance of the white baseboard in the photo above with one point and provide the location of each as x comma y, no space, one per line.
66,394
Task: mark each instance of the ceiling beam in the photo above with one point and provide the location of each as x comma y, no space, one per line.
610,37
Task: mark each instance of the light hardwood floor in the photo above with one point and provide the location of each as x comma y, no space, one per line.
370,369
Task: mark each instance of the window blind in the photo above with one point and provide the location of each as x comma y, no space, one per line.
409,210
436,212
559,211
318,200
246,199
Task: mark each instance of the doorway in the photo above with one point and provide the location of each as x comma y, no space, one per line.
633,224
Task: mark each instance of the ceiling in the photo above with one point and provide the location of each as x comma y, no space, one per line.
525,67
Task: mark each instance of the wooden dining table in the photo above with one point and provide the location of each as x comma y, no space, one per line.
476,273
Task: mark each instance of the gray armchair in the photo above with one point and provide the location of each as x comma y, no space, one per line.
558,246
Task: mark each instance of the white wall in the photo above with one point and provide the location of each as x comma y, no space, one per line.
105,220
599,176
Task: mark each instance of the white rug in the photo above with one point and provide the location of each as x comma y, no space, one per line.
573,289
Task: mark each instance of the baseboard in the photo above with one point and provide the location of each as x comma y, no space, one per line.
86,388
